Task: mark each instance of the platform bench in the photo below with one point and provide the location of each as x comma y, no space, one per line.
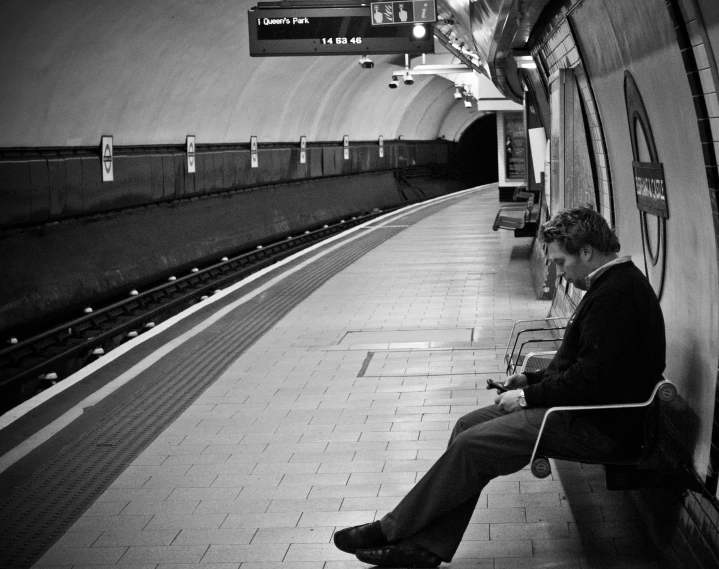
622,472
520,217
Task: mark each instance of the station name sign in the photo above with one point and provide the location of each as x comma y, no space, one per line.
297,31
651,188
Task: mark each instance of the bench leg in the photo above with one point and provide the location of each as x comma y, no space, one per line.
632,478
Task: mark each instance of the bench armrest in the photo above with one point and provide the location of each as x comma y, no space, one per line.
555,321
665,390
508,216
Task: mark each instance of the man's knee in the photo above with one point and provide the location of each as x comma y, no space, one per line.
474,418
459,427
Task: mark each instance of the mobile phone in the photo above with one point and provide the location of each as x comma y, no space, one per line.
491,384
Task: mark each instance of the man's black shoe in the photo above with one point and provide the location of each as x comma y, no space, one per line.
365,536
399,555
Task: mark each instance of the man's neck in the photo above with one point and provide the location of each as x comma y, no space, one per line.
609,261
602,259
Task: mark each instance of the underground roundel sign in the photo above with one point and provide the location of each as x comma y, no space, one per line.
106,154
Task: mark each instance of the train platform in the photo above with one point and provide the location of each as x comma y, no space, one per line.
306,399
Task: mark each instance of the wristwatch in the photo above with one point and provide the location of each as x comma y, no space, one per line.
521,400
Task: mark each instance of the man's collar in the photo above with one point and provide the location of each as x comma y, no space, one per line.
601,270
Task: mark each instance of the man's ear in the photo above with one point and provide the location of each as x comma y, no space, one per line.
586,252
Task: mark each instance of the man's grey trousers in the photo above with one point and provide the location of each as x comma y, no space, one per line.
485,443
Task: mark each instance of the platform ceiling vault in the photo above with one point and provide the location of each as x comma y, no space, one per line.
153,72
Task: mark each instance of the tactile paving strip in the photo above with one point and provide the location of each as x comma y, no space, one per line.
41,510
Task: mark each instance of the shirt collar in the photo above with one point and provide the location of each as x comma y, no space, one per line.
593,276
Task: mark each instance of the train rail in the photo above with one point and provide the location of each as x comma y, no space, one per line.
29,365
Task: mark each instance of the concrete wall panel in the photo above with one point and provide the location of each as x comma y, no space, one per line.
131,186
56,180
93,193
74,197
40,189
169,177
16,202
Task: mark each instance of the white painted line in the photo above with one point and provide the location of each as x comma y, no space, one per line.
12,456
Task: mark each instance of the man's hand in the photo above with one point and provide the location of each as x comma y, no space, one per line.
516,381
508,401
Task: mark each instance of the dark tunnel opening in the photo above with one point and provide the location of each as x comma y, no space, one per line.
478,150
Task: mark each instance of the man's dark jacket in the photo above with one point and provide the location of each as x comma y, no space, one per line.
613,350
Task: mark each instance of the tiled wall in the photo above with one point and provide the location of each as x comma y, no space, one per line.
699,524
557,49
694,540
701,71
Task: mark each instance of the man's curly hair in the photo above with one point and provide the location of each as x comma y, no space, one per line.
579,226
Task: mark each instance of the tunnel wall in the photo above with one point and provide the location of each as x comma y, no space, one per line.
42,185
75,240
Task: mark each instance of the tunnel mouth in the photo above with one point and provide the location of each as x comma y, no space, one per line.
478,150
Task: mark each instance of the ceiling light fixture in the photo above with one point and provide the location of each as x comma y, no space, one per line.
419,31
525,61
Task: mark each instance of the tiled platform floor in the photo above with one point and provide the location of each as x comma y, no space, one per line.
339,409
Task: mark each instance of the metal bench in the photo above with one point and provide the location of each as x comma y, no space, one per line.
544,333
664,392
520,217
622,472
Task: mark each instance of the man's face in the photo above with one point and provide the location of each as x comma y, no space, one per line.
574,268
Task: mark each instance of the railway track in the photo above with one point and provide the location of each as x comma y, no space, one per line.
29,365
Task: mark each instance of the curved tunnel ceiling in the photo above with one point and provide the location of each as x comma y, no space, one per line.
153,72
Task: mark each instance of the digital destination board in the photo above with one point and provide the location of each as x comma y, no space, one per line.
330,31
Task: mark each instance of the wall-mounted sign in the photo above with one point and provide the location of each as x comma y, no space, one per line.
651,188
107,156
537,147
403,12
275,31
514,146
253,152
381,146
303,149
346,144
649,184
190,154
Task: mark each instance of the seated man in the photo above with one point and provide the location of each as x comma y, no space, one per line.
613,351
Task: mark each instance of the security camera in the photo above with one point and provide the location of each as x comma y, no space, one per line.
366,63
407,79
393,84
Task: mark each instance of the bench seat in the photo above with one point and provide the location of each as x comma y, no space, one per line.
522,218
